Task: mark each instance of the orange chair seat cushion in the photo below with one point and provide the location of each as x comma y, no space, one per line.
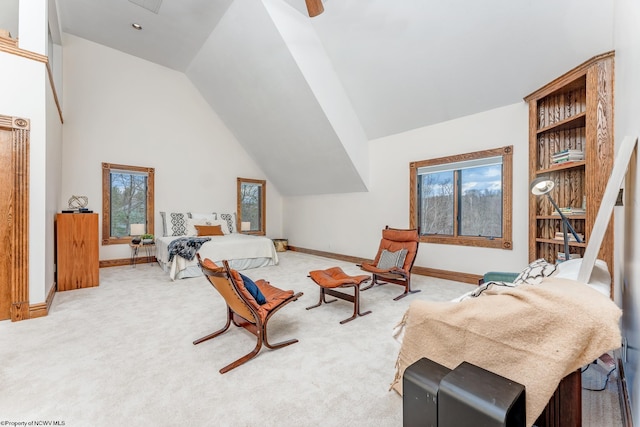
274,296
207,263
334,277
400,235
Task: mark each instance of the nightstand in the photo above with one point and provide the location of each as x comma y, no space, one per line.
149,248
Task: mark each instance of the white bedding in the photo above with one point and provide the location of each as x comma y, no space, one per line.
241,250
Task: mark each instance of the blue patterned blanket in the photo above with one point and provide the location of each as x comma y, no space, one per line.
186,247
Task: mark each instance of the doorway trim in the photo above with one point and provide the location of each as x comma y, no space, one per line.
19,215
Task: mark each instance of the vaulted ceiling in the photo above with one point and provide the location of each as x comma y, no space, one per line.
305,95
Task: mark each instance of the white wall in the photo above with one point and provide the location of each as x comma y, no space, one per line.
23,86
351,224
25,93
124,110
33,23
53,182
9,16
627,45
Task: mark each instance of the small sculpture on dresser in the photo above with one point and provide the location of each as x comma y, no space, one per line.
78,202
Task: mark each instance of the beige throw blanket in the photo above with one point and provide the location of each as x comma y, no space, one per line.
532,334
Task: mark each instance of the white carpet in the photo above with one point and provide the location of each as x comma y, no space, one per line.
122,354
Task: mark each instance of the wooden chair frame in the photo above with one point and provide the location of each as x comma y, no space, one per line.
395,275
242,312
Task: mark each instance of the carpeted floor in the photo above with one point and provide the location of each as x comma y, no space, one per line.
600,401
122,354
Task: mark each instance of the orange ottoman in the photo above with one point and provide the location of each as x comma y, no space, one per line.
331,279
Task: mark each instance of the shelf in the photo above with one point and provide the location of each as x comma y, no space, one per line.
562,166
561,242
581,216
577,83
574,122
572,112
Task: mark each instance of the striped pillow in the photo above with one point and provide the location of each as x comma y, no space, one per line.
389,260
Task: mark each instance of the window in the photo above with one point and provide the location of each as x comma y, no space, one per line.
252,201
463,199
127,198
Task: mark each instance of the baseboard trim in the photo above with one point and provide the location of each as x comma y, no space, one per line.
126,261
423,271
456,276
42,309
331,255
623,395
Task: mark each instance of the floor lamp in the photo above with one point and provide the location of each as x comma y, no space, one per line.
543,186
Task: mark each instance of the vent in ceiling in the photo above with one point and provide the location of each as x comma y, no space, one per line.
151,5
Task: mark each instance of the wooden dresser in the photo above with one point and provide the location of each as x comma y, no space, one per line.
77,250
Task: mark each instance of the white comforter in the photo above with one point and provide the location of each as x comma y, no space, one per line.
228,247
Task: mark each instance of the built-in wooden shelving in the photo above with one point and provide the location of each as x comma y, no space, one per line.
573,112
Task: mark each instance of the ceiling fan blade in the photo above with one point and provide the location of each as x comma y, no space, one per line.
314,7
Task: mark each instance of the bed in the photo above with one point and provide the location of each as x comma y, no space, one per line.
241,250
535,333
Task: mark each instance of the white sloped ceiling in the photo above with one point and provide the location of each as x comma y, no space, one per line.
305,95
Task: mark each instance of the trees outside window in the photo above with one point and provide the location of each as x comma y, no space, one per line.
463,199
252,199
127,198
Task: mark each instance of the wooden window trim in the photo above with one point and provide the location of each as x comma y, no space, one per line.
263,205
503,242
107,239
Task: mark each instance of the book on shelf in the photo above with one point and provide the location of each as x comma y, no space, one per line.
566,159
567,156
560,236
568,211
563,160
568,151
571,256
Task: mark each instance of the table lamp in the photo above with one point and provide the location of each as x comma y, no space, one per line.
136,230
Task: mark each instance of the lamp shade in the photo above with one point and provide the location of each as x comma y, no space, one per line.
245,226
542,185
136,230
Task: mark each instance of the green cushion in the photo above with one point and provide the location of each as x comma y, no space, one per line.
499,276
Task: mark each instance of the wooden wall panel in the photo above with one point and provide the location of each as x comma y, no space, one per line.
14,218
6,226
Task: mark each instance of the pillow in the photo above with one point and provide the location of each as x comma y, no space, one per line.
391,259
223,225
209,230
535,272
164,223
230,219
192,223
253,289
208,216
174,223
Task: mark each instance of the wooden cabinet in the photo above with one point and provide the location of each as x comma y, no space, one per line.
77,251
573,112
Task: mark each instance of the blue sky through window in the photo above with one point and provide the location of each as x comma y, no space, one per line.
482,178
